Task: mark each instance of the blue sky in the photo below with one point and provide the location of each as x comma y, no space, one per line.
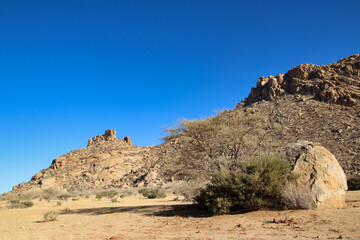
69,70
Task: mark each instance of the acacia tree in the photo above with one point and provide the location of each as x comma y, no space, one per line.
204,146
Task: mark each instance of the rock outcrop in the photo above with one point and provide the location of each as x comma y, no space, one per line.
319,172
337,83
127,140
109,135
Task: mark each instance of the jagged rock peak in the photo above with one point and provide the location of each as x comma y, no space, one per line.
109,135
337,83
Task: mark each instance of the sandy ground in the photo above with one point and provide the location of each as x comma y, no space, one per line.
138,218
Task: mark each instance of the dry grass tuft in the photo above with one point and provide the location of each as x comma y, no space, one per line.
50,216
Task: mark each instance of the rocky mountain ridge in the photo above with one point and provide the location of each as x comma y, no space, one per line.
337,83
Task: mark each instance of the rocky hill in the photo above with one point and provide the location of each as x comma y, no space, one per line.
106,162
315,103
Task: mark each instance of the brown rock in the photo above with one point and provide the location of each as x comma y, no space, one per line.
58,163
319,172
127,139
37,176
96,139
336,83
19,186
109,135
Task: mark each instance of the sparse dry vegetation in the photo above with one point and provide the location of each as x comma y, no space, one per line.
64,197
51,193
16,203
152,193
111,194
220,151
255,184
189,190
50,216
220,141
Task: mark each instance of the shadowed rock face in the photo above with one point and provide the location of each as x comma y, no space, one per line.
337,83
127,139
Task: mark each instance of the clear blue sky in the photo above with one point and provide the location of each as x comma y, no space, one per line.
69,70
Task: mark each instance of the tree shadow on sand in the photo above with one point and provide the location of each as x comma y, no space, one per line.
180,210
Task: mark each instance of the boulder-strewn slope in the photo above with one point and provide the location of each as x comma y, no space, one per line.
315,103
320,104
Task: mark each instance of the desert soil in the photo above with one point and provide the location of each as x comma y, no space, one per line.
136,217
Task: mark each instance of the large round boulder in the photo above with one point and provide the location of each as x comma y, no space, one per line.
319,172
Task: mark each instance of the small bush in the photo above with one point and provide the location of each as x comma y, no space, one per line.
99,196
126,193
153,193
58,203
256,184
50,193
50,216
64,197
354,183
157,193
87,196
109,194
17,204
190,190
27,203
14,201
145,192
